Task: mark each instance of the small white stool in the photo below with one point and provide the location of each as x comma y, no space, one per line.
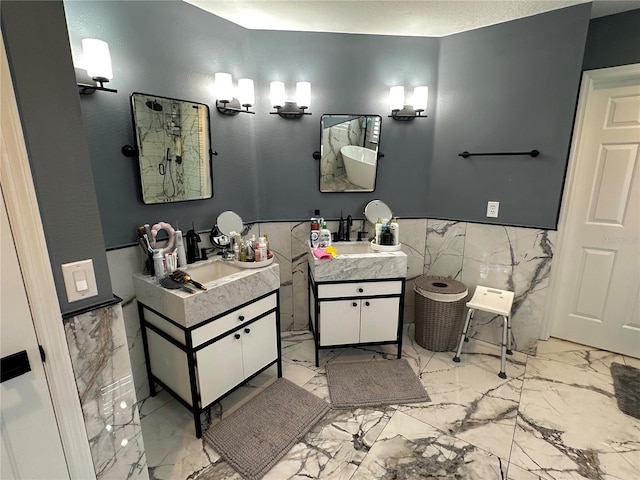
496,301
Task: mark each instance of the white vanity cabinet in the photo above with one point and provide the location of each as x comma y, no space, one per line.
356,312
203,363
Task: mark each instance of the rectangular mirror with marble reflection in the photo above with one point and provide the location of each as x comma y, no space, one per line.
173,145
349,152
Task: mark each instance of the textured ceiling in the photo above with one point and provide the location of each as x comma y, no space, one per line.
423,18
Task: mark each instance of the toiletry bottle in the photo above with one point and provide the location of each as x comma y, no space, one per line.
395,231
341,234
243,252
266,240
325,236
250,255
385,237
263,248
257,254
158,265
378,231
315,233
182,256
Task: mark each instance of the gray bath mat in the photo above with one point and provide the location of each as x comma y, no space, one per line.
253,438
373,384
626,382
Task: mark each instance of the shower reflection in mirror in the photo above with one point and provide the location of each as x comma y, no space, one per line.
349,152
174,154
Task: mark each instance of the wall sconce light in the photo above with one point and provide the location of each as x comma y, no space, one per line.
97,61
229,104
290,109
408,111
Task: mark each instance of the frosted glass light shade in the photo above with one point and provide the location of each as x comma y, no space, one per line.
245,92
224,87
396,98
420,98
303,94
277,94
97,59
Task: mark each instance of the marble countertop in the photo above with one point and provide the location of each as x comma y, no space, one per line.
223,294
366,264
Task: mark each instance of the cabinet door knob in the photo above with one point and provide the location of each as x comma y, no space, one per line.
367,303
354,304
241,318
360,290
247,330
237,336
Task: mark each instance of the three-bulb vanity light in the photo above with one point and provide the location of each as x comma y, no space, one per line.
414,108
97,62
288,109
228,103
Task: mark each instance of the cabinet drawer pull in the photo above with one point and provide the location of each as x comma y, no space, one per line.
241,318
367,303
360,290
247,330
354,304
237,336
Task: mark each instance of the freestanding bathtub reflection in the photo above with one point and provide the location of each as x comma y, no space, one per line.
360,164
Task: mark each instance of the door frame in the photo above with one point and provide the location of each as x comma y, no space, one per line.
591,80
27,230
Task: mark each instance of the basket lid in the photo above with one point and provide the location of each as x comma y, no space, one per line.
442,285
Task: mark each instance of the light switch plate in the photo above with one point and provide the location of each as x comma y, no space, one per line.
79,280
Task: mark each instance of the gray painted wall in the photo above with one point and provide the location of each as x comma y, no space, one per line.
613,40
264,170
257,173
507,88
37,43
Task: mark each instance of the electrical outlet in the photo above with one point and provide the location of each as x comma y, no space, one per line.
492,209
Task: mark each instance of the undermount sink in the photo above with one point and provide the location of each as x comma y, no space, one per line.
211,271
351,248
358,261
227,286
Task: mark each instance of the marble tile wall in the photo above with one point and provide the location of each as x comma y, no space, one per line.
102,368
513,258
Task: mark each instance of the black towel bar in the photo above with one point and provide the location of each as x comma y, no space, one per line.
533,153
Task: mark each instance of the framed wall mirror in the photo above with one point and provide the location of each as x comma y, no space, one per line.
349,152
173,148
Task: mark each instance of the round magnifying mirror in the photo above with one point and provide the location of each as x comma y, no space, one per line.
229,222
377,209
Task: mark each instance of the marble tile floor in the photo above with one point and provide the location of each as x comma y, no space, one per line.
553,417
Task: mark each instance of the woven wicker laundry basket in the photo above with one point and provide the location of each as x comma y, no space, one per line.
439,309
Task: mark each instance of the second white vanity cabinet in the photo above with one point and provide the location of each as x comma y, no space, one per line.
359,312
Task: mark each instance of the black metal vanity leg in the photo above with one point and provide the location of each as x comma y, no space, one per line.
196,420
317,356
145,347
279,366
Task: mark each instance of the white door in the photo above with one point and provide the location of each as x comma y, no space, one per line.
31,445
596,273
